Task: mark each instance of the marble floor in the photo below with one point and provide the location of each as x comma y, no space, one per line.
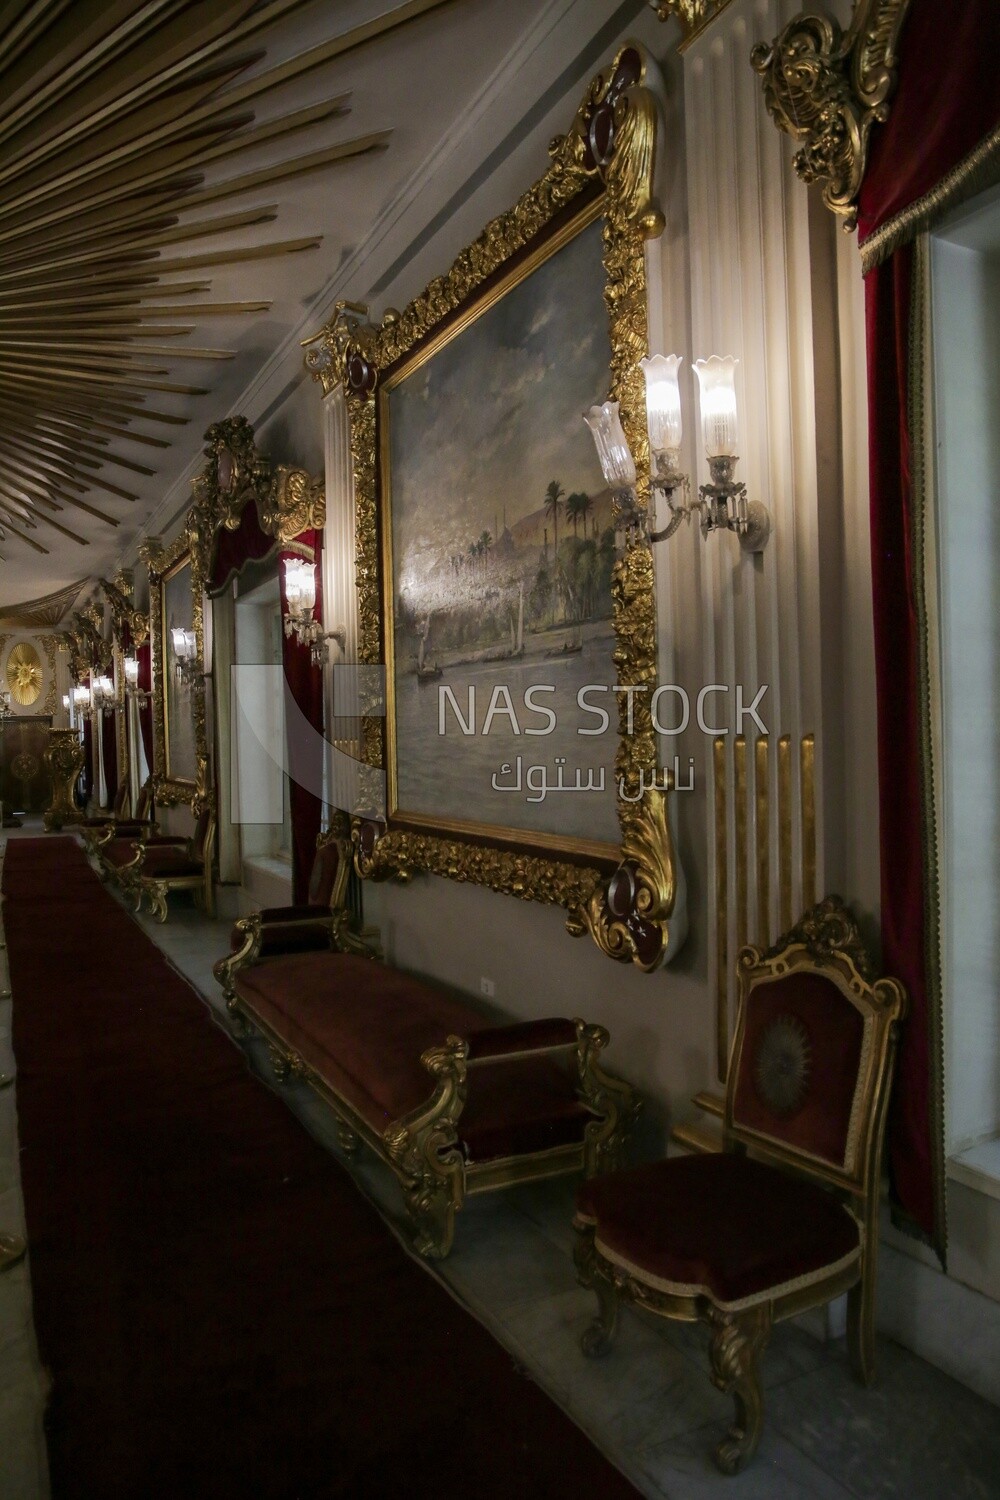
649,1405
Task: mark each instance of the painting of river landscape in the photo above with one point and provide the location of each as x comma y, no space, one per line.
502,545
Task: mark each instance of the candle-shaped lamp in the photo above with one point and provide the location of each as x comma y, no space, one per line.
617,464
717,388
663,408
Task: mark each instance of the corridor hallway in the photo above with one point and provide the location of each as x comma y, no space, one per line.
649,1406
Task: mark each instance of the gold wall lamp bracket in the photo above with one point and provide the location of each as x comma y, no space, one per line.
724,506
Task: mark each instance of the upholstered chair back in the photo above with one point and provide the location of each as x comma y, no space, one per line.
324,874
144,802
331,867
812,1050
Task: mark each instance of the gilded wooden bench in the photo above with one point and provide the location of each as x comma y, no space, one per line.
453,1104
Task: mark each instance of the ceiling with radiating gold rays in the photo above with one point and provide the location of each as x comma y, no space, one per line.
177,182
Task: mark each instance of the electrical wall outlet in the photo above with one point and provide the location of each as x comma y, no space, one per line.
487,987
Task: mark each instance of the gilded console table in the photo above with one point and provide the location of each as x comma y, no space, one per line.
64,758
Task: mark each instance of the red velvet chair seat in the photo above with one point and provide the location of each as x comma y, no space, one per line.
725,1226
362,1027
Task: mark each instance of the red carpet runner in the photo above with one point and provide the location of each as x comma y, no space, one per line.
222,1313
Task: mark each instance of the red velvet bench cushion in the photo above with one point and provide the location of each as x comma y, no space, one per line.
362,1027
724,1226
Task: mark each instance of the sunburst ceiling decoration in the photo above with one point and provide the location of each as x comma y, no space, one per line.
115,117
24,674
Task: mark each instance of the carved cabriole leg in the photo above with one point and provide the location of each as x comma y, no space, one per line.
861,1304
423,1150
591,1272
738,1340
156,890
615,1103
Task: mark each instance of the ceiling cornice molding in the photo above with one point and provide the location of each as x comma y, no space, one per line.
45,612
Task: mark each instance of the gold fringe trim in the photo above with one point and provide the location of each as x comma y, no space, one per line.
979,170
699,1289
923,500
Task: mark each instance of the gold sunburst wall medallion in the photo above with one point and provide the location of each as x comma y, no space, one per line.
24,674
783,1063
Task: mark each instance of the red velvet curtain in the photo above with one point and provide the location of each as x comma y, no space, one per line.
109,754
144,657
942,111
248,543
946,103
304,683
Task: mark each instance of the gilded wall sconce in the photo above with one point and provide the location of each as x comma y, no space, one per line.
300,597
722,503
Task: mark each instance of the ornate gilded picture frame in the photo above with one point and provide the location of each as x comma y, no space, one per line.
180,745
129,630
601,175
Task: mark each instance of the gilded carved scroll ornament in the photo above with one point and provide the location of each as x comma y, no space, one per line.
692,14
64,758
83,638
827,88
234,474
296,502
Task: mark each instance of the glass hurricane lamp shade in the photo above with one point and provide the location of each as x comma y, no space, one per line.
717,389
132,671
663,405
81,698
617,463
300,587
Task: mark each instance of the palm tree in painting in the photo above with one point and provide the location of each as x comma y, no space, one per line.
554,493
578,507
485,542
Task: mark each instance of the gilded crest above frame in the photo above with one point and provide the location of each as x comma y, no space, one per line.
620,887
234,474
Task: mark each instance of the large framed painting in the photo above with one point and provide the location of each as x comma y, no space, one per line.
498,554
180,747
497,585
